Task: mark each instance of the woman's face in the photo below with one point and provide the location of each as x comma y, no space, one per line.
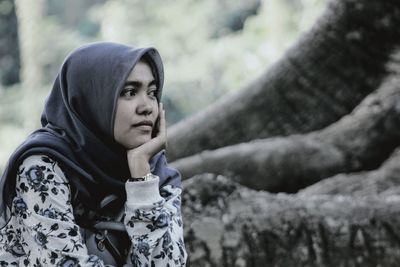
137,108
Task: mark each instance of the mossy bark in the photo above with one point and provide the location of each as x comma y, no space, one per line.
227,224
320,79
359,141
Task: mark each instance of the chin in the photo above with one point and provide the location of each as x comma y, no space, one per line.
137,143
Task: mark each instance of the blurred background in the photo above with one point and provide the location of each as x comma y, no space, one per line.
209,48
298,167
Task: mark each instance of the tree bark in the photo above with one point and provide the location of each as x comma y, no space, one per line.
320,79
30,14
9,53
361,140
229,225
384,181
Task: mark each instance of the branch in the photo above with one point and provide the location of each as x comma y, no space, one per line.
359,141
229,225
319,80
384,181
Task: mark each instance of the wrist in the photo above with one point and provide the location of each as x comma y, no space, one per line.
138,164
149,176
139,169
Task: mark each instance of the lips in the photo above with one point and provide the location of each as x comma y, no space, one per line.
143,123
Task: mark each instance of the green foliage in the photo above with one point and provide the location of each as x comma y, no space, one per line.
9,53
210,48
11,105
72,15
59,43
12,111
205,54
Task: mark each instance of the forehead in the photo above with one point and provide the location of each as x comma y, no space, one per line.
141,72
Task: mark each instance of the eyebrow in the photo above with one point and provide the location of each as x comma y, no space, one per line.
139,84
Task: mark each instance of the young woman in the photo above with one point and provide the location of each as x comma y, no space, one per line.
92,186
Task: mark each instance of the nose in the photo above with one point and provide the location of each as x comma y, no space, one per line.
144,106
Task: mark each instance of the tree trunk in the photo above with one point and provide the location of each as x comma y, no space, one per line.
229,225
30,14
9,53
384,181
323,77
361,140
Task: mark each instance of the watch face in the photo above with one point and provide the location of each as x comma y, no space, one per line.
147,177
150,176
137,179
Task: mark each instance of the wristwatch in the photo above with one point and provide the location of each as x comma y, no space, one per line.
147,177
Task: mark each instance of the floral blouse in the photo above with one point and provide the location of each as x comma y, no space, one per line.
42,230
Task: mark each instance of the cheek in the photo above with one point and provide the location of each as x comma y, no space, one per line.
121,115
156,109
117,128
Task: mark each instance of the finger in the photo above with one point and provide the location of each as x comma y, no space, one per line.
162,122
161,117
163,125
161,136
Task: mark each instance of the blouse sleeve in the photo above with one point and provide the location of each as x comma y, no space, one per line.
43,231
44,218
153,222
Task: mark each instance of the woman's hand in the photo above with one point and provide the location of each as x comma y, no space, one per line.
138,158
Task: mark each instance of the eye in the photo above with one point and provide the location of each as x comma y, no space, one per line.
128,92
152,92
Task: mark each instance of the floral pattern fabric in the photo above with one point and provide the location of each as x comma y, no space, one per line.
42,230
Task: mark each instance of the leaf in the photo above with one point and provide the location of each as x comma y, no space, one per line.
23,187
53,255
54,227
62,235
21,171
36,208
72,232
54,190
43,197
151,227
46,159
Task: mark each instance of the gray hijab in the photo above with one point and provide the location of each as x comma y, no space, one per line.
78,120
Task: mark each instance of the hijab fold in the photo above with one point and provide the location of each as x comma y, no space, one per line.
78,121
